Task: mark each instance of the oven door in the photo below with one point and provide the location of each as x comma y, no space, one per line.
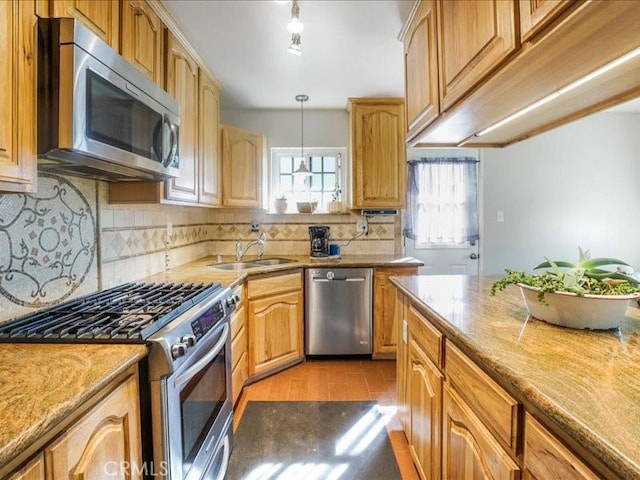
196,411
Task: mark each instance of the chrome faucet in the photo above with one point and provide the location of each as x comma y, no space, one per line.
260,241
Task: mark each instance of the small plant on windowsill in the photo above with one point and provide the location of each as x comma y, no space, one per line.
576,295
335,205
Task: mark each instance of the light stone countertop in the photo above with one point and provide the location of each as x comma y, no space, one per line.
201,270
586,384
42,384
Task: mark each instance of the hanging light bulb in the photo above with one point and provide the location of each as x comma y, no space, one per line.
295,25
294,47
302,169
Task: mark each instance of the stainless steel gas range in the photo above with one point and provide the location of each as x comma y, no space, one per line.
186,381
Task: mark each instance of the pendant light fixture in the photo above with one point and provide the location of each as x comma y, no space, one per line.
295,26
302,169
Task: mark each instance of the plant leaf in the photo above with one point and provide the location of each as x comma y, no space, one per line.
598,262
557,263
583,255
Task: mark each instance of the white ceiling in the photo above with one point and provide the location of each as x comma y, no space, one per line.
350,48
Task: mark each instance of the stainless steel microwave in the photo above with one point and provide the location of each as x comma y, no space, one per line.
98,116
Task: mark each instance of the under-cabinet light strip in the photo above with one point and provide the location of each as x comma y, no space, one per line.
573,85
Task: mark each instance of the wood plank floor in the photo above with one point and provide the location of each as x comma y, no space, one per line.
336,380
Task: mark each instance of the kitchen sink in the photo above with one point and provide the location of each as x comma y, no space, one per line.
234,265
273,261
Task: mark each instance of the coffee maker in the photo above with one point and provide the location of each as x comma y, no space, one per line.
319,237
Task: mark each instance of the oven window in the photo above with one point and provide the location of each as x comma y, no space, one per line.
201,400
116,118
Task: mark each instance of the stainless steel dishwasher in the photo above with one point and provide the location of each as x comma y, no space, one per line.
338,318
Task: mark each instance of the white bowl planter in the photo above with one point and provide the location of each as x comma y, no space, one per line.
595,312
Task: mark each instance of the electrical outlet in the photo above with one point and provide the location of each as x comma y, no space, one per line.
255,227
362,225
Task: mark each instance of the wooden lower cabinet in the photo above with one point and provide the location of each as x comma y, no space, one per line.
34,470
425,411
469,451
546,458
275,316
275,330
402,362
385,313
105,443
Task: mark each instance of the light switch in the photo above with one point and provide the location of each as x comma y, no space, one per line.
500,216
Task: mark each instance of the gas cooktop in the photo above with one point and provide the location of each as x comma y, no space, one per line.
128,313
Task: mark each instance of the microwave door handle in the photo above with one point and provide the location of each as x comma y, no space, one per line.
173,143
204,361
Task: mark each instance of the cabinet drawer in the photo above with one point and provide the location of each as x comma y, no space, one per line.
546,458
497,409
426,335
238,320
238,346
277,284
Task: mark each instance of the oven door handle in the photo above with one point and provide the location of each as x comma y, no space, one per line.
188,374
225,458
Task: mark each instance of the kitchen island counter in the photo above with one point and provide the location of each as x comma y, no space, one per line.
584,385
42,385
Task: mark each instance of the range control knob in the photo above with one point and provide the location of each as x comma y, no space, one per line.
178,350
231,301
189,340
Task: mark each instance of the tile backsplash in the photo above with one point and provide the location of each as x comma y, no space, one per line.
49,243
67,240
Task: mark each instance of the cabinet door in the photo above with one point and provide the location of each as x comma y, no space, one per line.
142,38
385,313
208,139
537,14
275,331
17,102
421,69
425,412
378,152
473,39
469,450
545,458
104,443
402,361
101,17
34,470
182,83
241,167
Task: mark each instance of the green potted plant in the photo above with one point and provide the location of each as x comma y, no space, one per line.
576,295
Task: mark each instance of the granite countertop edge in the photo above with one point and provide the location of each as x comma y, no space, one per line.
528,393
58,410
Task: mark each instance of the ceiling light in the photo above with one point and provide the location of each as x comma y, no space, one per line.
295,25
567,88
302,169
294,47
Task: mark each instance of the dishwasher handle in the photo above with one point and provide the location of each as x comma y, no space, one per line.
339,279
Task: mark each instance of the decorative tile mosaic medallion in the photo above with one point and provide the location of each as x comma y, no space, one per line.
48,242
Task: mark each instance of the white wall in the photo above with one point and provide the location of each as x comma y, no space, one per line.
576,185
322,128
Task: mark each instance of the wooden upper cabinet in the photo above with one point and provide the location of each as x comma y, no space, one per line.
17,102
473,39
242,157
421,68
537,14
209,141
378,152
142,39
102,17
182,84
